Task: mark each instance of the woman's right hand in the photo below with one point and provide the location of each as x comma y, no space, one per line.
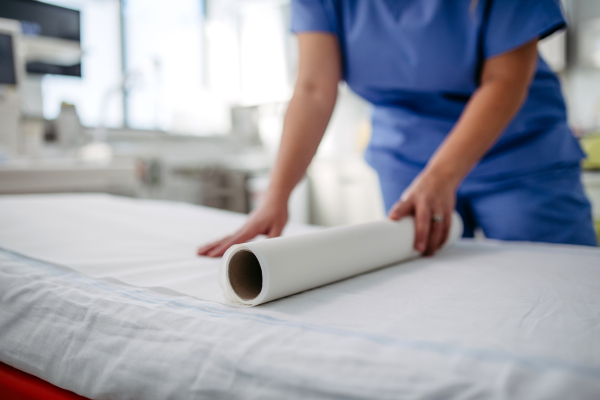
269,219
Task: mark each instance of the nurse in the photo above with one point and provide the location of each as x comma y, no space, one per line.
466,116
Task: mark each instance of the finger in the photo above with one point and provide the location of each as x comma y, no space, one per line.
275,231
437,231
202,251
212,244
238,238
219,250
401,209
422,227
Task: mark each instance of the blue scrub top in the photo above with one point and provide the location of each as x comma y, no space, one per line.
418,63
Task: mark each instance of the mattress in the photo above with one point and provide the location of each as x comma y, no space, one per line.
481,320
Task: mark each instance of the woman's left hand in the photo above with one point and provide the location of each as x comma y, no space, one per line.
431,200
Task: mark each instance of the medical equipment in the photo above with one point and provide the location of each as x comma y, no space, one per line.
52,36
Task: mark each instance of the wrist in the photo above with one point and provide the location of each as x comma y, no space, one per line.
277,198
443,176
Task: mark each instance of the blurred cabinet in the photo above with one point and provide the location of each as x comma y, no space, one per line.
241,190
225,189
55,176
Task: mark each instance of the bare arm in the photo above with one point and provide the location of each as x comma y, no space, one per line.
309,110
504,86
307,116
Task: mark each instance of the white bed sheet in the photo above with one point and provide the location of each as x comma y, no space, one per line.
486,320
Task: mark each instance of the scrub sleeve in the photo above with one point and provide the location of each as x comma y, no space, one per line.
313,16
511,24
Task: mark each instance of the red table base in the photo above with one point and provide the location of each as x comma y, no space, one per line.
18,385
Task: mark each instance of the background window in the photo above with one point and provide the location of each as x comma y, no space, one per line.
166,89
97,94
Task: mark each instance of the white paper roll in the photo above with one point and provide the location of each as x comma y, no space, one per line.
257,272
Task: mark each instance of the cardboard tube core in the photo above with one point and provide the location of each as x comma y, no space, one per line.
245,275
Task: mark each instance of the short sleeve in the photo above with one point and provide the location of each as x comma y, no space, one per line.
311,15
513,23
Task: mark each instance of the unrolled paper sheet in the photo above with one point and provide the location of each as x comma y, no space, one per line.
152,244
257,272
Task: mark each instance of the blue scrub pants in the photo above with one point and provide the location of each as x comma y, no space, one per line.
543,206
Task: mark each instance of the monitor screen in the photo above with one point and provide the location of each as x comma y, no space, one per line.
41,19
7,61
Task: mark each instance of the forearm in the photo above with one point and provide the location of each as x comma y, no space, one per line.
305,122
431,196
485,117
504,87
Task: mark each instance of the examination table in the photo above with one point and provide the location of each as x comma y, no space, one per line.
480,320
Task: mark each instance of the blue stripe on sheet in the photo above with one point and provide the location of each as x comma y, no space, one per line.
148,296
